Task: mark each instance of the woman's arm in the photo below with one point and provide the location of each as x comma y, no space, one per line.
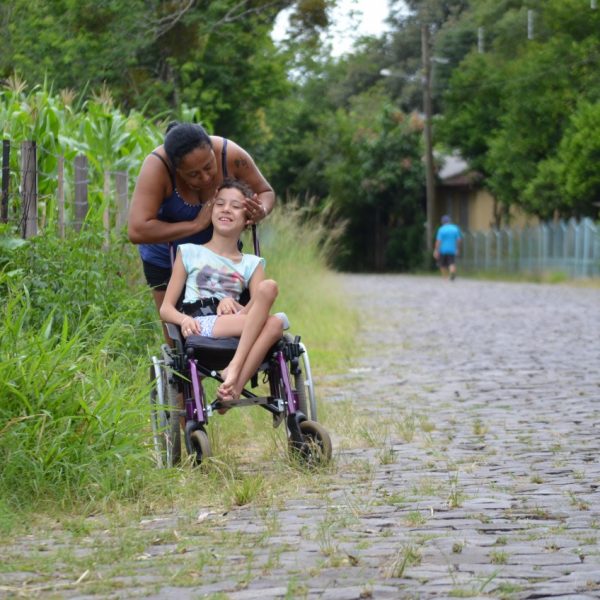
242,166
151,188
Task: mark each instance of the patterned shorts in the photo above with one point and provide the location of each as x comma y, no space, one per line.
207,324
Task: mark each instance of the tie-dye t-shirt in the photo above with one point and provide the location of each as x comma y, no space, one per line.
209,274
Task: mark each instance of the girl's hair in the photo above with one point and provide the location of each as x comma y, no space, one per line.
230,182
182,138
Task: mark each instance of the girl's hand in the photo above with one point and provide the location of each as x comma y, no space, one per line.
189,326
255,211
228,306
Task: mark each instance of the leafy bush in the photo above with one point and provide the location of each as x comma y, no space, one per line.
77,279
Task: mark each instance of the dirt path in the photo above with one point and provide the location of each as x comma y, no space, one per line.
467,464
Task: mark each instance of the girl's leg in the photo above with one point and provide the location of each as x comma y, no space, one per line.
270,334
252,324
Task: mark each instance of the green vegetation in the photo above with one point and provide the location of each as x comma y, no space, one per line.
343,135
520,111
77,328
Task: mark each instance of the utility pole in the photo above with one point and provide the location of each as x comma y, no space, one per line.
429,174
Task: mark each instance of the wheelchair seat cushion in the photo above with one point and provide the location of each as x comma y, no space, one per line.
216,353
211,353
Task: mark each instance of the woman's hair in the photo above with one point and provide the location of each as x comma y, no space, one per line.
182,138
230,182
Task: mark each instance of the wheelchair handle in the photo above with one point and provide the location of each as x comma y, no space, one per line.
255,240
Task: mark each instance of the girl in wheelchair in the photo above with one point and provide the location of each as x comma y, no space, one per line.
212,278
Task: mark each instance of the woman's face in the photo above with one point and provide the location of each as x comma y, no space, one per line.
198,168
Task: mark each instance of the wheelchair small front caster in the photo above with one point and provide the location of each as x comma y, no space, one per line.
315,448
200,446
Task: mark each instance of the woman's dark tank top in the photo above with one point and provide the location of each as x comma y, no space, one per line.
175,209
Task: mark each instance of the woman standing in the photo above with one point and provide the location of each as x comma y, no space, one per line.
175,191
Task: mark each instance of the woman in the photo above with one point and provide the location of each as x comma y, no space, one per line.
173,196
217,272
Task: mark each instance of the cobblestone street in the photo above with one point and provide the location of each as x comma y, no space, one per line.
475,407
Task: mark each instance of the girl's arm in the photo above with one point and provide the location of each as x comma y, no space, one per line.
168,310
257,277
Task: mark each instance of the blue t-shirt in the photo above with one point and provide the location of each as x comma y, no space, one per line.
213,275
448,236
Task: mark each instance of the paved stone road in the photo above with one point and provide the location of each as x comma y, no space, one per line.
470,466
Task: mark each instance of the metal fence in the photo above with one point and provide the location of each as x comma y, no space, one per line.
570,247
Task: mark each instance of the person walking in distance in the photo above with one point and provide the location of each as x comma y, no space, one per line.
447,247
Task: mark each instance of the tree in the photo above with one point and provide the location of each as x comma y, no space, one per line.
569,181
378,187
509,109
158,55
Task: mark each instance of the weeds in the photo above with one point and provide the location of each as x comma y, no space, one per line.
406,557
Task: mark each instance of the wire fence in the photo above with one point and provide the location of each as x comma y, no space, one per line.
65,194
570,247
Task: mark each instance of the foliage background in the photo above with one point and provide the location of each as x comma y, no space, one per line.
517,112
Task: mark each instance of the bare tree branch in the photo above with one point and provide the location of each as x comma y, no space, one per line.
231,16
164,24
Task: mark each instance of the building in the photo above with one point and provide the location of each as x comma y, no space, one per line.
461,194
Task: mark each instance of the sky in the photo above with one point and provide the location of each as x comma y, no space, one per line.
368,20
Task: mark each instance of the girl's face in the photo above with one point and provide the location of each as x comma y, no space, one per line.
229,211
198,168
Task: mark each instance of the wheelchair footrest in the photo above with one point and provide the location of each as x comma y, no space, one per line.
273,404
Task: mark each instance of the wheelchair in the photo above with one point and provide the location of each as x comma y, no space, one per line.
179,371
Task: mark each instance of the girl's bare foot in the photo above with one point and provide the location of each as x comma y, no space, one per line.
226,390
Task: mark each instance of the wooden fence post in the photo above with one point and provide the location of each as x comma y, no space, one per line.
81,190
60,195
106,214
29,187
122,185
5,180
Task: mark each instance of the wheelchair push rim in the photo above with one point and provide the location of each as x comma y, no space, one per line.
164,414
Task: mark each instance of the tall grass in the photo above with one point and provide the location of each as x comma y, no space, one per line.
77,328
72,418
297,248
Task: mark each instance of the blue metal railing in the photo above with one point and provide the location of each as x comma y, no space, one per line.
571,247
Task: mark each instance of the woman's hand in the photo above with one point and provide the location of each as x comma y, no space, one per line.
228,306
255,210
204,217
189,326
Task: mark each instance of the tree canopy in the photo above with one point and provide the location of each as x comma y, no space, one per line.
343,134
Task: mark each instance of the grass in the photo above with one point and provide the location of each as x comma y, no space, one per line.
77,327
407,556
545,277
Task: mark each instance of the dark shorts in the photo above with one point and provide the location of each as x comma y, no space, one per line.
447,259
157,277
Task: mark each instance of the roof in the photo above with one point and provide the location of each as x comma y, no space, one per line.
455,171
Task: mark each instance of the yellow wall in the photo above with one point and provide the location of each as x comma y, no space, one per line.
474,210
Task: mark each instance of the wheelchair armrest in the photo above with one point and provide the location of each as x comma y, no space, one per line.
284,319
175,334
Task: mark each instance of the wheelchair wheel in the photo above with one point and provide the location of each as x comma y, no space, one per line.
164,413
316,448
200,446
